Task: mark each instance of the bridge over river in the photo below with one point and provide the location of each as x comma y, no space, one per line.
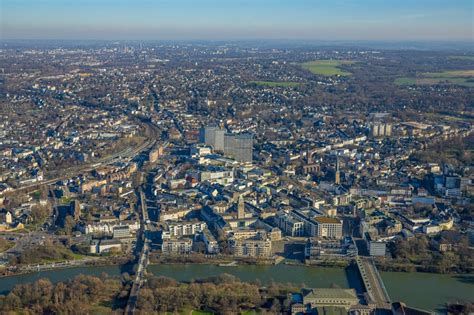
373,284
143,258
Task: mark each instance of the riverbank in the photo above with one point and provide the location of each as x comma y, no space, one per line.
437,289
61,265
410,268
219,261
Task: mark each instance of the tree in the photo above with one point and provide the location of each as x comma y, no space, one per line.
40,213
69,224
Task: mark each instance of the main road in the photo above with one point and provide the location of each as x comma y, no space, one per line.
143,258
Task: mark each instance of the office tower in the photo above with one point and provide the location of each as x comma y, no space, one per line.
219,140
213,136
239,146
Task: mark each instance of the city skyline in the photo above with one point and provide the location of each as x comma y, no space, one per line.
238,19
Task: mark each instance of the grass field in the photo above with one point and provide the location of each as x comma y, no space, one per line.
276,83
450,74
327,67
471,58
460,77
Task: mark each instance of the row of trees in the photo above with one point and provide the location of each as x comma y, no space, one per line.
458,152
223,294
418,253
72,297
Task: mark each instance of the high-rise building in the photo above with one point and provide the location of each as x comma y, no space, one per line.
239,146
213,136
380,129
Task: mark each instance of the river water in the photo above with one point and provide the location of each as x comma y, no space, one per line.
423,290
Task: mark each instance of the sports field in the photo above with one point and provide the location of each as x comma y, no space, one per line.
327,67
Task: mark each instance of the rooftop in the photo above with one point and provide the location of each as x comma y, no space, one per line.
329,293
326,220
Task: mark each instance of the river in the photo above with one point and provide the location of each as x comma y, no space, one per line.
423,290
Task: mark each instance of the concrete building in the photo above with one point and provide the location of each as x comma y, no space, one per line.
176,229
328,227
239,147
121,231
376,248
102,246
326,249
380,129
253,247
290,225
321,297
177,246
213,136
217,176
212,246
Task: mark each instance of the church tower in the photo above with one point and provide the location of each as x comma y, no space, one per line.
241,208
337,179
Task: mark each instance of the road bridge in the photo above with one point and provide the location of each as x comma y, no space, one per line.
373,283
143,258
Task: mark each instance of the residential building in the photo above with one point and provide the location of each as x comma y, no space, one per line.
328,227
253,247
177,246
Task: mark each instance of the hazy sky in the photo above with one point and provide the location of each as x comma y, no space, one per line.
238,19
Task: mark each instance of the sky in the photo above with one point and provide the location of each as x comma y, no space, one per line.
238,19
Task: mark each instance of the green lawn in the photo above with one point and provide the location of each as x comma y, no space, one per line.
276,83
470,58
405,81
327,67
464,78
